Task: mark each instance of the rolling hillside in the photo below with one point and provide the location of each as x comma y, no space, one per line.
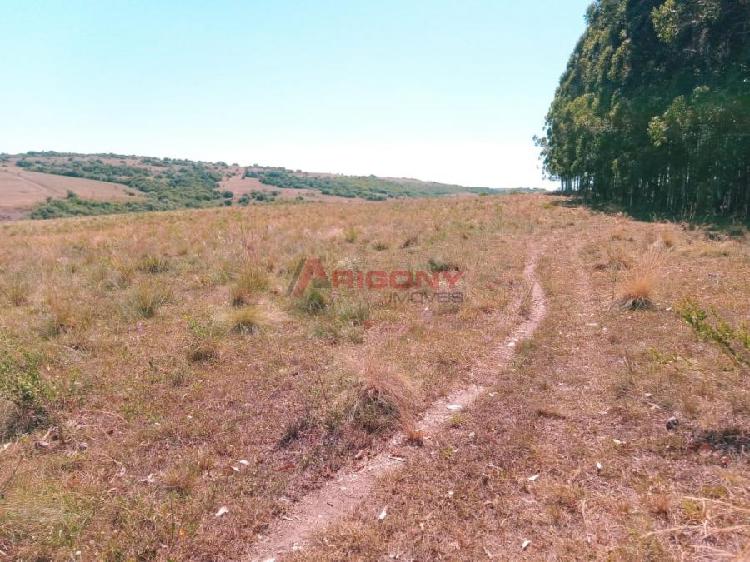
138,183
21,190
163,184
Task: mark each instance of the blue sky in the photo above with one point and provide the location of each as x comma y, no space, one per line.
437,89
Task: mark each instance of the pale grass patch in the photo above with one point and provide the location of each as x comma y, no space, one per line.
247,321
38,510
149,297
384,398
16,289
251,282
668,238
351,234
636,291
660,505
153,264
65,314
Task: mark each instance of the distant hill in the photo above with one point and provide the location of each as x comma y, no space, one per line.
22,191
372,188
160,184
163,183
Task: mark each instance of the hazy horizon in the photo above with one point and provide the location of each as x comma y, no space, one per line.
440,93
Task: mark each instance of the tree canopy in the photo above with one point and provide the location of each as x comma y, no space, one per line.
653,110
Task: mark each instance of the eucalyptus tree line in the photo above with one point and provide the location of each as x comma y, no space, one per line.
653,110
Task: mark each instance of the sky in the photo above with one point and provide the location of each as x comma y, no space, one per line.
442,90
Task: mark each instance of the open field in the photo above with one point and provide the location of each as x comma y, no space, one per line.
65,184
20,190
164,397
240,185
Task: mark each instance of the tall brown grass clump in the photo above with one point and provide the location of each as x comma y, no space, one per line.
148,298
152,264
64,314
118,274
636,292
668,238
246,321
637,289
351,234
249,284
16,289
384,399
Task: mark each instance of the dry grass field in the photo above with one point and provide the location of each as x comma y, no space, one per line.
164,397
21,190
240,185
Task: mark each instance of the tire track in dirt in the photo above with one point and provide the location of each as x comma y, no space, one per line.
341,495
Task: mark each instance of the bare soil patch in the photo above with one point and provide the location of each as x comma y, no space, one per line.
240,186
21,190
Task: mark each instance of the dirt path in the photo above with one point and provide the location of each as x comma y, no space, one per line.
341,495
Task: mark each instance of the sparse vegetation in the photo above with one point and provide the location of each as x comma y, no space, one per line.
149,297
711,326
152,396
313,301
636,293
246,321
251,282
23,392
370,188
166,183
16,289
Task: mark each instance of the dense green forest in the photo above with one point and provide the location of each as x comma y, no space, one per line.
371,188
653,111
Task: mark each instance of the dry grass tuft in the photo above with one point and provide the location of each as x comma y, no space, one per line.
249,284
202,351
203,344
119,275
16,289
637,290
410,242
414,437
152,264
64,314
351,234
181,479
660,505
668,238
384,399
636,293
246,321
550,413
294,430
313,302
148,298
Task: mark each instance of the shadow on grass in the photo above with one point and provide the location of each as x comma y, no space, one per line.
716,226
